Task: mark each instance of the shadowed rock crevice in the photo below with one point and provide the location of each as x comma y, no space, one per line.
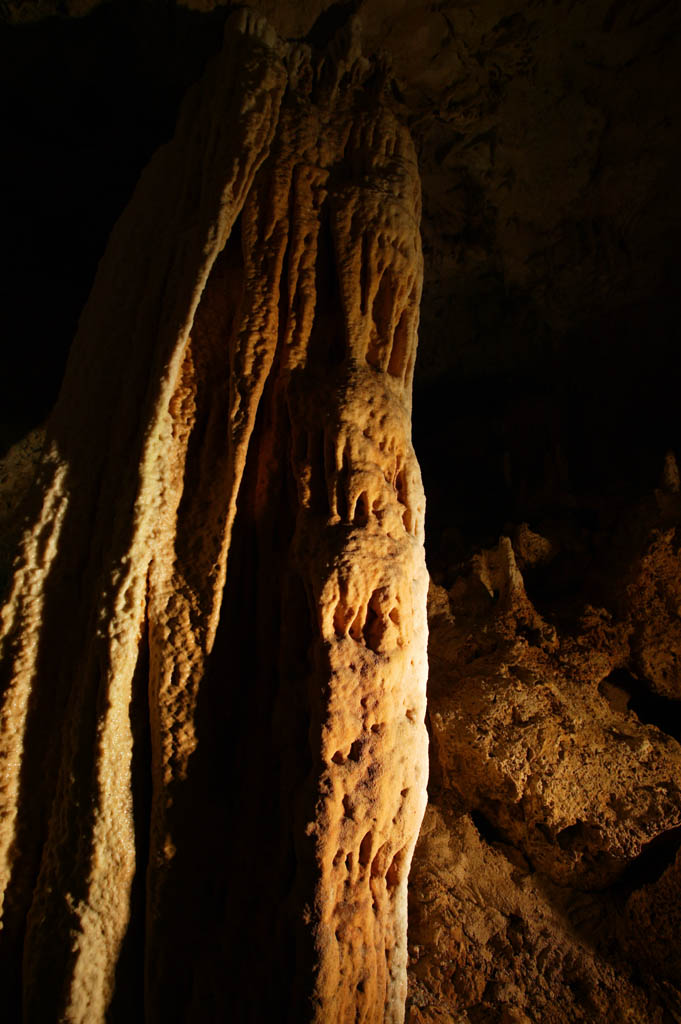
626,691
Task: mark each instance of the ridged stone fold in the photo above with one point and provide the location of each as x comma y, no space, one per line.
214,756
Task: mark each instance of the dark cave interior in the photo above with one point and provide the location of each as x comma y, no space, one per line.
546,387
516,416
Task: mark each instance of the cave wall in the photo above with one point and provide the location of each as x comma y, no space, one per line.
547,142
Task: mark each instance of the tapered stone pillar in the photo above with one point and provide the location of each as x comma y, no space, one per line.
214,645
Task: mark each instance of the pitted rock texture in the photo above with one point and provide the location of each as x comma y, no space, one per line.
544,885
222,576
531,731
493,942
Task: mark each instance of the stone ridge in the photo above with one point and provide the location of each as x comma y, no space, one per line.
240,386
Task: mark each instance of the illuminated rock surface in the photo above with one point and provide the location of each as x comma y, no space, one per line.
544,887
227,525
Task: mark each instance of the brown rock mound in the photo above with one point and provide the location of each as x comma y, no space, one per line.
545,880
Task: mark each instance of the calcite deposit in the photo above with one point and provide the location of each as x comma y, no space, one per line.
544,885
226,527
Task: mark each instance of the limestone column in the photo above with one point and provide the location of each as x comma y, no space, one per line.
221,586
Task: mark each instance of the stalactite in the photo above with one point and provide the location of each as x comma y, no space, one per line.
227,527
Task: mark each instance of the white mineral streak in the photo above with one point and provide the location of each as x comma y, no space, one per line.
315,295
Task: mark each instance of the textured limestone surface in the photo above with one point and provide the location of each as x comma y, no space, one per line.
221,576
547,137
17,470
539,740
545,880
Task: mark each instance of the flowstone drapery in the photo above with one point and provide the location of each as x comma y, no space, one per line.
214,643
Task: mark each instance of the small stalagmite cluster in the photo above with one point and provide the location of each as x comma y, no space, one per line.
213,747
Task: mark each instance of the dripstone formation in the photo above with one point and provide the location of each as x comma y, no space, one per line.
214,755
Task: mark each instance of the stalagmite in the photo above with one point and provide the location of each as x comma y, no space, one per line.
220,585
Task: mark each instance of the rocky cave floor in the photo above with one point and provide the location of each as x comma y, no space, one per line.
545,880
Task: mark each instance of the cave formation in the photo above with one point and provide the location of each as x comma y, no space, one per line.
244,386
211,553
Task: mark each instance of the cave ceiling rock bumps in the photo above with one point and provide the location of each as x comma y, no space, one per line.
278,233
